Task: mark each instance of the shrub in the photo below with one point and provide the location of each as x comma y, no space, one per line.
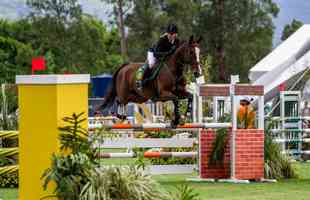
121,183
9,180
277,165
184,192
70,173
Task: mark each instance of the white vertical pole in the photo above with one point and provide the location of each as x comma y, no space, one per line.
261,112
282,118
200,110
198,118
136,110
195,109
233,136
215,109
300,134
234,80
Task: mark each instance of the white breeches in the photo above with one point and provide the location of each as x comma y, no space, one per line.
151,60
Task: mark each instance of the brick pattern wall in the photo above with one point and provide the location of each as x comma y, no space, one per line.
207,138
242,89
249,155
224,90
214,90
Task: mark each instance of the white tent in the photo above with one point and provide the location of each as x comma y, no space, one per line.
286,61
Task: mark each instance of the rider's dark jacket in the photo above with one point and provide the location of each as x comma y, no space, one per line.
164,47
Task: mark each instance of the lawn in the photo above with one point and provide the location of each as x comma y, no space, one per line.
283,190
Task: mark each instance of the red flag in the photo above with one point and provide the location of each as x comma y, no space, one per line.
281,87
38,64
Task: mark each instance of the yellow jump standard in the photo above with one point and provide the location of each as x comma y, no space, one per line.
43,101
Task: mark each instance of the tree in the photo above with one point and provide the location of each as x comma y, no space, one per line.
15,58
182,13
77,42
95,48
143,28
238,34
289,29
148,20
120,10
59,11
51,20
21,30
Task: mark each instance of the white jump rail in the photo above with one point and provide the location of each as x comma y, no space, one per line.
116,143
158,126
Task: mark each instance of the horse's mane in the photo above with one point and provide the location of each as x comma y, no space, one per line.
182,43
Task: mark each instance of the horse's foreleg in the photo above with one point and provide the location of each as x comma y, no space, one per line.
169,96
183,94
177,115
189,105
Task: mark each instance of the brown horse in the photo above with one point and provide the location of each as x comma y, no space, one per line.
169,85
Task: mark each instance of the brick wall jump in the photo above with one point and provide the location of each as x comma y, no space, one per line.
249,155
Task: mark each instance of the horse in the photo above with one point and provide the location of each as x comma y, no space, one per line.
169,84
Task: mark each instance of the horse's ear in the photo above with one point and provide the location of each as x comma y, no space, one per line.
191,39
199,39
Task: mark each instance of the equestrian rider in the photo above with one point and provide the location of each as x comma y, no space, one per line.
166,46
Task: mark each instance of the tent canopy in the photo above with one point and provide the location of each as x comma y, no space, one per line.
286,61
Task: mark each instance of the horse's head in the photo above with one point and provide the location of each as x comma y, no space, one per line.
192,55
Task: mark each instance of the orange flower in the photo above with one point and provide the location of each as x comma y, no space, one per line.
246,117
242,112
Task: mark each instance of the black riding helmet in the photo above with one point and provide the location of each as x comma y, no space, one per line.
172,28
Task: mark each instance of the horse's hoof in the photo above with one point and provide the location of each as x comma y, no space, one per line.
97,113
120,117
174,124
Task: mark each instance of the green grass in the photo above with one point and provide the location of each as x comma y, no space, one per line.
8,194
286,190
298,189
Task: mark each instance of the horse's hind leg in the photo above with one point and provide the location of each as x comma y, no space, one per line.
120,110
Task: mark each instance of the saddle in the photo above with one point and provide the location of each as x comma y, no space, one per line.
152,74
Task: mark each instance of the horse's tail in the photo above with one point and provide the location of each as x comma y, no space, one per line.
111,95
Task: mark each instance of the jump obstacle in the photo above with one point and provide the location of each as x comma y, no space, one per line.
57,96
150,155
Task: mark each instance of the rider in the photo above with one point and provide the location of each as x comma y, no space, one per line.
166,45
